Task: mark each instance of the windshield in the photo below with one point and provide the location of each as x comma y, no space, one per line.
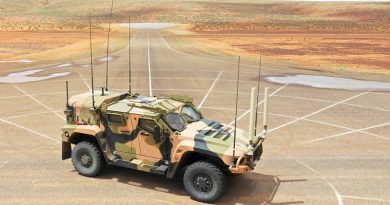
174,121
190,114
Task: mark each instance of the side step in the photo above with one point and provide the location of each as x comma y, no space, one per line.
162,169
139,165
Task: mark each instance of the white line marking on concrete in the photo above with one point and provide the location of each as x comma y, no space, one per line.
188,79
31,114
366,198
308,120
85,82
381,93
187,70
30,130
330,124
349,132
40,94
316,112
37,101
150,72
335,191
209,91
368,107
164,89
247,111
247,93
331,101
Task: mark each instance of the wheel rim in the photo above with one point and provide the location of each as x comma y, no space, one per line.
203,183
85,159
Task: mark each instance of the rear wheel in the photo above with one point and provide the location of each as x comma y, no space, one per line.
204,181
87,159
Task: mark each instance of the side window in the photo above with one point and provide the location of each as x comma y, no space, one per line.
147,125
114,118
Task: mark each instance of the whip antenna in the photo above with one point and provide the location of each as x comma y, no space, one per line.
108,44
258,89
129,54
67,95
90,49
235,117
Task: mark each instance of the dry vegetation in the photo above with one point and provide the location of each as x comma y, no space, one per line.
55,24
48,48
297,18
355,52
338,36
204,16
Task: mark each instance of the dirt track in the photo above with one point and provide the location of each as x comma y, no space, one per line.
325,146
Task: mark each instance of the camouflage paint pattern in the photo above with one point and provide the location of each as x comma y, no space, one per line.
124,140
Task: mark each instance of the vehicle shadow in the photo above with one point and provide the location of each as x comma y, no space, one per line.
253,188
145,180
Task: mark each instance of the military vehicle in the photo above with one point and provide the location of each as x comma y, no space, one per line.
162,135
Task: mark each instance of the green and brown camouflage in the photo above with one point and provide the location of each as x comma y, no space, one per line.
135,132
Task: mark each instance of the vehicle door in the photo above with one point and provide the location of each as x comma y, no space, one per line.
118,134
152,148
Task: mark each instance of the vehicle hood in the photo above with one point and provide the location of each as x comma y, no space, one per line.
216,137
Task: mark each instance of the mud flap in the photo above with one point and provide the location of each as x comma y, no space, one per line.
66,150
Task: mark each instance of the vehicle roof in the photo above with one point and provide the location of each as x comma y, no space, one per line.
85,99
144,105
136,104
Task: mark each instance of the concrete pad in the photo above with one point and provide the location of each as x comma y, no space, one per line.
316,93
373,100
19,106
353,143
352,117
43,123
289,172
299,132
383,131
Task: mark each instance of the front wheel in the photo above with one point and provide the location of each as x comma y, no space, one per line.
87,159
204,181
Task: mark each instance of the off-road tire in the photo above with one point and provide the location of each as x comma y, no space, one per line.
92,163
206,171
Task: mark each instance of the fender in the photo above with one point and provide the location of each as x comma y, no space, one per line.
68,132
188,146
202,147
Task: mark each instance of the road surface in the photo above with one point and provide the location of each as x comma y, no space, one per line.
326,146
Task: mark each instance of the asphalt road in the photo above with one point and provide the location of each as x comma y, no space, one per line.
325,146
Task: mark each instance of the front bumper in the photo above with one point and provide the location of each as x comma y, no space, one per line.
246,163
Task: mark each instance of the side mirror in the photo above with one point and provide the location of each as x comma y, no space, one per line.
157,133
